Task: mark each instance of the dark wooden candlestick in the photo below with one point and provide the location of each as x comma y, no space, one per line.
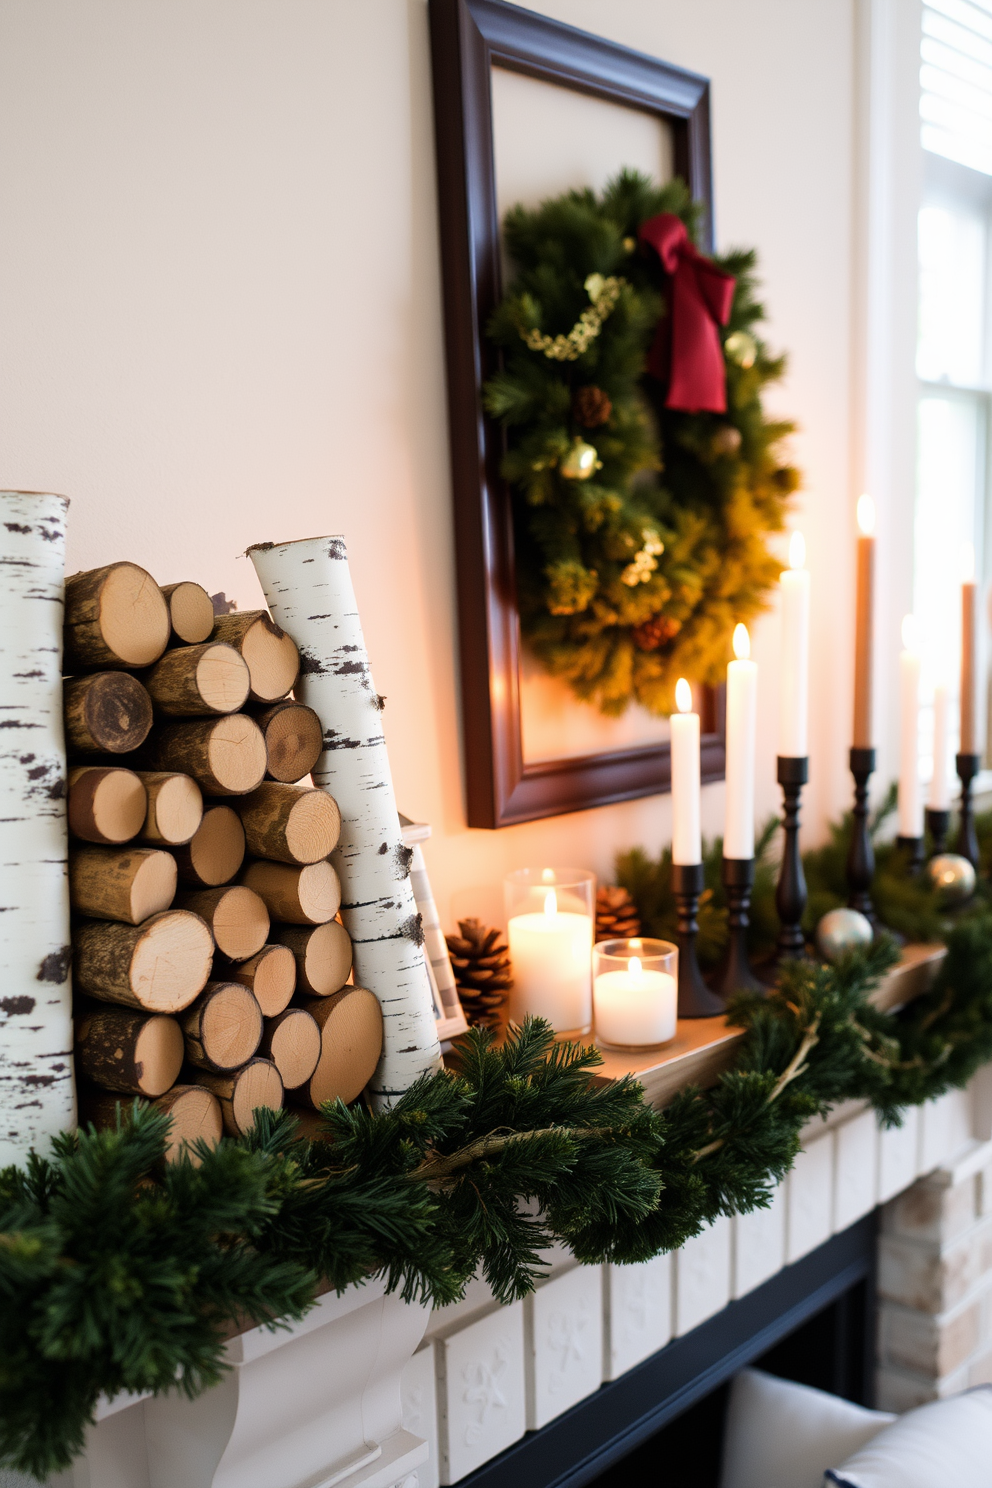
695,998
938,825
734,974
967,843
790,892
912,850
861,854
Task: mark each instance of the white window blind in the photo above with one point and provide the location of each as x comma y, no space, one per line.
956,81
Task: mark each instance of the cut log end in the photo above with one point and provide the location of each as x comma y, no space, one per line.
225,756
350,1044
215,852
115,616
175,807
271,976
322,954
293,740
160,966
292,1042
223,1028
194,1113
129,1052
198,681
106,713
106,805
129,884
256,1084
309,895
290,823
272,656
237,917
191,612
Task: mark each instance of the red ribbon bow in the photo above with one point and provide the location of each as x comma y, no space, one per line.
688,352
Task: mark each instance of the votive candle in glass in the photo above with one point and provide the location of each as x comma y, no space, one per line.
550,917
635,992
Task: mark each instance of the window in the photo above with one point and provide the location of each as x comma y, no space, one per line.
954,351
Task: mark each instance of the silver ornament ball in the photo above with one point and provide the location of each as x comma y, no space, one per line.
842,930
953,878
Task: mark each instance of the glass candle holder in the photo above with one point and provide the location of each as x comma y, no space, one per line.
635,992
550,915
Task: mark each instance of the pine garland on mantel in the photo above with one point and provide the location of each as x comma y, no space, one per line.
120,1272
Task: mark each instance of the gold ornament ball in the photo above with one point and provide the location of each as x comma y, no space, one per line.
841,931
581,461
952,877
741,348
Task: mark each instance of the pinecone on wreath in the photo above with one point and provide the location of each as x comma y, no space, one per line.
616,914
655,632
592,407
481,963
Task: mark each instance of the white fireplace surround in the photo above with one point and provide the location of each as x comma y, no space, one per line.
370,1392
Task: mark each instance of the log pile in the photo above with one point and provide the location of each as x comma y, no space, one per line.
212,973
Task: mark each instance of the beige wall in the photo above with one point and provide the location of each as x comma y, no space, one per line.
220,324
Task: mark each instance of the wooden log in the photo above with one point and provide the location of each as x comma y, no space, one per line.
130,1052
236,915
160,966
121,883
223,1027
322,954
198,681
193,1110
350,1045
272,657
36,1086
106,803
308,588
255,1084
191,612
175,807
216,850
292,1042
114,617
271,976
225,756
106,713
301,896
310,1125
290,823
293,740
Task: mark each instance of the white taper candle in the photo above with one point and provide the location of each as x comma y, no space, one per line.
687,845
742,716
794,671
910,792
939,797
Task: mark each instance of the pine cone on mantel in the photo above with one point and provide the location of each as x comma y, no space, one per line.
616,914
480,960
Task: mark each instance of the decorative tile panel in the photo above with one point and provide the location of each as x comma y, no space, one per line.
809,1193
759,1244
418,1398
702,1276
637,1313
480,1391
564,1320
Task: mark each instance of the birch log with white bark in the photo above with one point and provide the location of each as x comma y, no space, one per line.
308,588
37,1098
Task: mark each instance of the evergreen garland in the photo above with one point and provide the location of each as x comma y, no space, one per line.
640,531
121,1272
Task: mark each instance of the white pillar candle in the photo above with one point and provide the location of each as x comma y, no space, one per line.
635,1008
742,717
687,845
551,954
939,798
910,792
794,671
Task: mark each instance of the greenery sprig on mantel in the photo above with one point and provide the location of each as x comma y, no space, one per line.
120,1272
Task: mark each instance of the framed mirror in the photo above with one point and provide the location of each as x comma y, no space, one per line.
526,108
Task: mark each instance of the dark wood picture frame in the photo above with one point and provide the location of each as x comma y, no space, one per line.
469,37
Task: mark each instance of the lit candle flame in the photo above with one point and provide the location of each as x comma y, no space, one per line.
866,515
634,966
797,551
551,902
968,563
683,696
909,632
742,643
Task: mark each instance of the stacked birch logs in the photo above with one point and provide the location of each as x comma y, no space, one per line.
211,970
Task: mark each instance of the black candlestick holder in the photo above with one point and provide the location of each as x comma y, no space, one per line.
938,825
695,998
861,854
790,891
734,974
967,843
912,850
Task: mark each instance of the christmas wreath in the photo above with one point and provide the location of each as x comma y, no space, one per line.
644,470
